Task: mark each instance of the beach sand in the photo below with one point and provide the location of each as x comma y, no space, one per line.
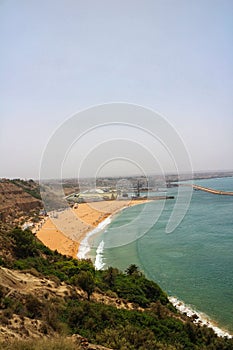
63,231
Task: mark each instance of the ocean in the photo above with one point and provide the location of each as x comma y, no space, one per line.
194,263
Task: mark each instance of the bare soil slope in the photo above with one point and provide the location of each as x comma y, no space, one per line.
16,203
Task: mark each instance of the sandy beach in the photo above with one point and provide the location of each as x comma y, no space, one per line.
63,231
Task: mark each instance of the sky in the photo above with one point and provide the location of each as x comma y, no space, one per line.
59,57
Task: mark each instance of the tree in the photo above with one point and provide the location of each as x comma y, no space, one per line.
110,275
86,281
133,270
25,243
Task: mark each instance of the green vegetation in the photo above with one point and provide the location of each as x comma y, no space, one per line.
29,186
25,243
85,280
150,322
133,287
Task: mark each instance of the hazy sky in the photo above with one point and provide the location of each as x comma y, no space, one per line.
61,56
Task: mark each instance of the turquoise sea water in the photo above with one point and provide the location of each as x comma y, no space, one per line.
194,262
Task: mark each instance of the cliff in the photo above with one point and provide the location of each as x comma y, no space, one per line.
15,203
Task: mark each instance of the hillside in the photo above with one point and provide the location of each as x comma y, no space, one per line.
17,201
46,295
50,301
32,292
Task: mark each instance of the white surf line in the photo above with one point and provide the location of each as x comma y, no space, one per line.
99,264
84,247
200,318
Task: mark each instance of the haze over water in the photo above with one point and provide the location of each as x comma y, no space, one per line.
195,262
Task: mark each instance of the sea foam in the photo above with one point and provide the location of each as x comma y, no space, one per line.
199,317
84,247
99,264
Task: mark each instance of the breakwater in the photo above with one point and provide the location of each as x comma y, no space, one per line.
210,190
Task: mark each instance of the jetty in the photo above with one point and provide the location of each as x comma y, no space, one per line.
209,190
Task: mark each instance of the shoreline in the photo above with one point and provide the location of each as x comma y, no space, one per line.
67,230
199,317
51,236
84,246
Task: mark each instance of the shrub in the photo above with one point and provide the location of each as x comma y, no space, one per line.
86,281
25,243
34,306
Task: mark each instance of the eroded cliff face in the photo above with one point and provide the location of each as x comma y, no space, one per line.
37,291
16,203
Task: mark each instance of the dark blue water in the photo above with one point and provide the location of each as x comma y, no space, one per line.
194,262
